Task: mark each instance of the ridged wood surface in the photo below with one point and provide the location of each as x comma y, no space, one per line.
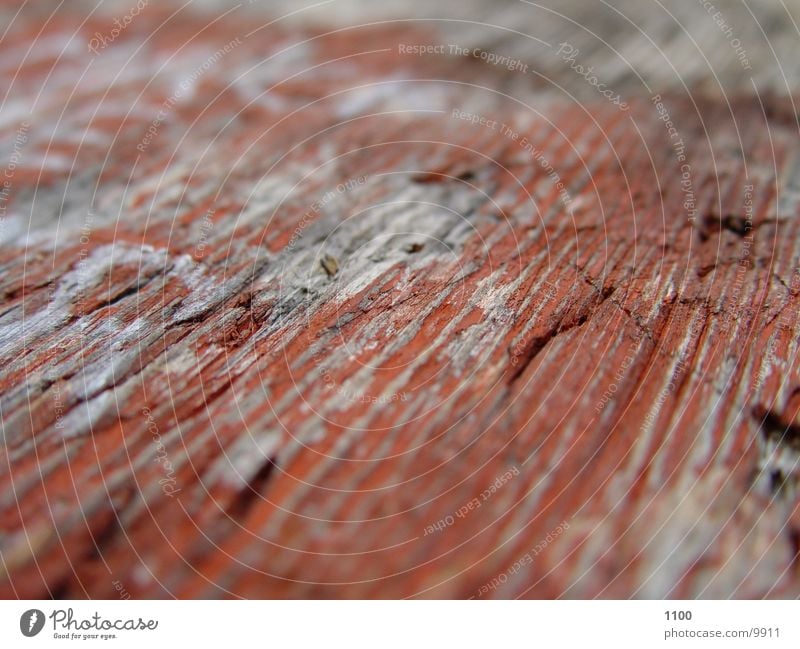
287,310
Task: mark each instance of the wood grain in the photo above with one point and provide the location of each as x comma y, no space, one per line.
290,312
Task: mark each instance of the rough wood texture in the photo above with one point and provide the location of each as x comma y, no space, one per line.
277,322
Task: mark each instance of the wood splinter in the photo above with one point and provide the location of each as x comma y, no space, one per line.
330,264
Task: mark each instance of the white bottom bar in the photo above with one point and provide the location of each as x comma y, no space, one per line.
400,624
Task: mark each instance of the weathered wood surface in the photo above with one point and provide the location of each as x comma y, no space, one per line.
277,322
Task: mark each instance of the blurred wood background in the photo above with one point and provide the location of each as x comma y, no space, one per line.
290,308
